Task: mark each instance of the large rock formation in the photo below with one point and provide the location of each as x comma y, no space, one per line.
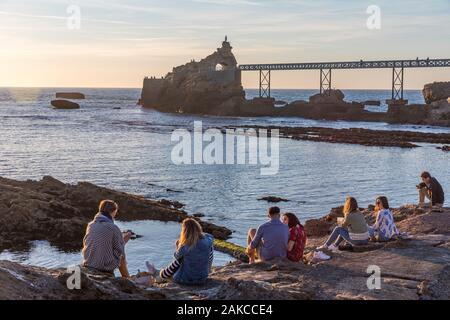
439,113
213,86
58,212
436,91
329,97
210,86
436,112
411,269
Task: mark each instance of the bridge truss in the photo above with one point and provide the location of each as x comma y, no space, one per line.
325,68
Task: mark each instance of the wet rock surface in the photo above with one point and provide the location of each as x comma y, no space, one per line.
412,268
59,213
365,137
32,283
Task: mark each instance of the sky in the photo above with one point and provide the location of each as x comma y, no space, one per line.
118,42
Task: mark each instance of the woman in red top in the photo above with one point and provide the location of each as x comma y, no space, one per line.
297,237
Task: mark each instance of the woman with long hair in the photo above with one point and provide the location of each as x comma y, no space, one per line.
193,256
297,237
384,228
353,228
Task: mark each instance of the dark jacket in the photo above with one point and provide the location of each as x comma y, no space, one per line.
437,193
196,262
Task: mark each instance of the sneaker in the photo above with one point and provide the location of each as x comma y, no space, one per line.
319,255
333,248
324,247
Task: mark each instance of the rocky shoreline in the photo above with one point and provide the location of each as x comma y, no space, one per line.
416,267
59,213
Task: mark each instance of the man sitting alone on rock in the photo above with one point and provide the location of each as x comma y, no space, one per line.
270,240
430,188
104,243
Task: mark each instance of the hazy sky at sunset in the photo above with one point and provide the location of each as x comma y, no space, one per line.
121,41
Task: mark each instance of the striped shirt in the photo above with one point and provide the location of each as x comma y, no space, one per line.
103,245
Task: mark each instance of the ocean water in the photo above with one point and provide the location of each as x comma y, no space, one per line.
130,149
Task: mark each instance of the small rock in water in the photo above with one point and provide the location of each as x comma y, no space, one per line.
174,204
64,104
273,199
70,95
134,236
198,215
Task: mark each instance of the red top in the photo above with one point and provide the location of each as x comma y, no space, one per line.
298,235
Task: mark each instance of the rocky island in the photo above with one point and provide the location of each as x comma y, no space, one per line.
213,86
416,267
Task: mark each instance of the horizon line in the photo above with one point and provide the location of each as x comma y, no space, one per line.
76,87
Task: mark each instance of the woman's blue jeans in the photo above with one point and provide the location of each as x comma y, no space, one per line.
340,234
378,235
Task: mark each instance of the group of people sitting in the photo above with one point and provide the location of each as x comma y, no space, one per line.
353,227
283,236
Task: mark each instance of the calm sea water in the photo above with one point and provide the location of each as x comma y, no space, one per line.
129,149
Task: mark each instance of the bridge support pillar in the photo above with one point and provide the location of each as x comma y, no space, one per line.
397,88
325,81
264,83
397,83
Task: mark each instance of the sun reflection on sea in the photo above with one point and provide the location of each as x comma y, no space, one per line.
24,95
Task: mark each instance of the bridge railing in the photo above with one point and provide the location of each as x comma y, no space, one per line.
418,63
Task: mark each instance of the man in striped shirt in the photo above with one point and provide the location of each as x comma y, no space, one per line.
104,243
